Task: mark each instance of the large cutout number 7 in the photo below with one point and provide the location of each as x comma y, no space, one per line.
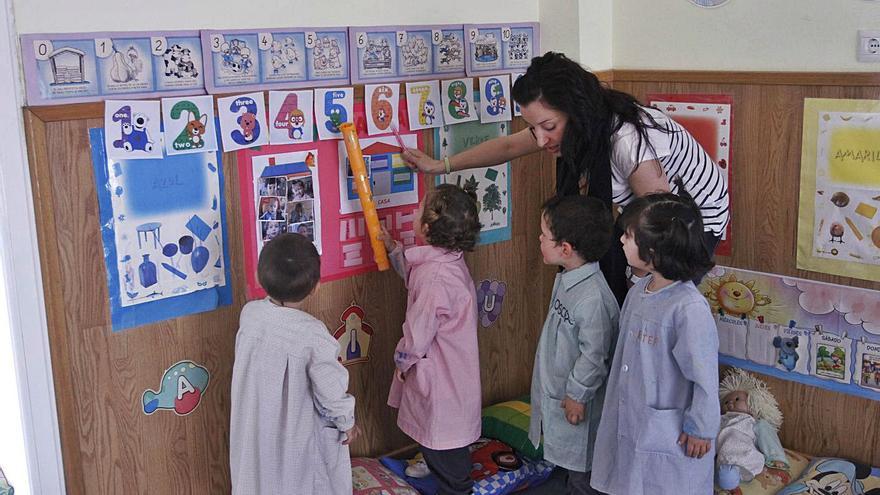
424,91
335,112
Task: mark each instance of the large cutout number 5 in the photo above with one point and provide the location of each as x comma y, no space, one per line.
336,113
381,109
424,92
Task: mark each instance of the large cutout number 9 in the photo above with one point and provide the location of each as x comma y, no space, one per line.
335,112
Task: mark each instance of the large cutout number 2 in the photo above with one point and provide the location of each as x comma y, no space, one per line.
381,109
336,113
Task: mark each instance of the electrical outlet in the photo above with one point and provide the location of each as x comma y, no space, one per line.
869,46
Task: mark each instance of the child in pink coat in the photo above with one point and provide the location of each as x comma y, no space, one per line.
437,382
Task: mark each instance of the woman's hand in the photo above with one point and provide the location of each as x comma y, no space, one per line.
351,435
422,162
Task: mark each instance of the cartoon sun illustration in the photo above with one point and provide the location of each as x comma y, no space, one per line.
729,296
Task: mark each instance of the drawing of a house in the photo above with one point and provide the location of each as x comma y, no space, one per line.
388,172
67,66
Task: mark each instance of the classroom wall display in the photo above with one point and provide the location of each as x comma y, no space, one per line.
132,129
495,105
333,106
83,67
422,100
490,300
457,97
243,121
490,184
291,117
709,118
189,124
285,58
513,78
801,330
392,182
354,336
181,390
405,53
344,245
163,230
495,48
382,103
838,221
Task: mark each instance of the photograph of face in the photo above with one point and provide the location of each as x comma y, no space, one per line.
271,230
299,189
271,209
273,186
305,229
300,211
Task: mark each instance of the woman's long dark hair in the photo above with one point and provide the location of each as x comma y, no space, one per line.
594,112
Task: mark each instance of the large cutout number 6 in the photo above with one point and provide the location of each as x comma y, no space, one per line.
335,112
381,110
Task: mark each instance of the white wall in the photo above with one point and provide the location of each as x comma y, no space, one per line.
761,35
48,16
559,27
595,17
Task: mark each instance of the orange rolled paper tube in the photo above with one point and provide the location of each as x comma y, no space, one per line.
362,184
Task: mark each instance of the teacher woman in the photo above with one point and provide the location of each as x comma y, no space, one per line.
607,145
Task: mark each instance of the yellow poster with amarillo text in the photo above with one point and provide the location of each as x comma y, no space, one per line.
839,216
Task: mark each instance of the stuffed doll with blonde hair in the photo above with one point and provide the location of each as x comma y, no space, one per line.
748,439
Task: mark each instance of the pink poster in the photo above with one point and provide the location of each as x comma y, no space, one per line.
341,238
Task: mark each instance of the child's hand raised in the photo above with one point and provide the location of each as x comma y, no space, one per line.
574,411
694,446
386,238
351,435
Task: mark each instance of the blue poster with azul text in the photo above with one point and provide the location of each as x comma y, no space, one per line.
163,228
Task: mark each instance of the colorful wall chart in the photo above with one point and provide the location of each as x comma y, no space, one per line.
811,332
838,221
491,184
709,118
288,58
75,68
404,53
494,48
162,224
342,237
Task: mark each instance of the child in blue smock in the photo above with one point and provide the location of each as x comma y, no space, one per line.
661,412
574,352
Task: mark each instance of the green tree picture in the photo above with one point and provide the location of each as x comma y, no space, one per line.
492,200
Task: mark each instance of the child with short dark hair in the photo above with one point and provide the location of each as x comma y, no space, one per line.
437,382
662,413
292,419
574,351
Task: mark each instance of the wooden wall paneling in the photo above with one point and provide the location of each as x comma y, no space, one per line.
767,134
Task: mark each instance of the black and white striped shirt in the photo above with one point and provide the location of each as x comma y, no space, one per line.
680,155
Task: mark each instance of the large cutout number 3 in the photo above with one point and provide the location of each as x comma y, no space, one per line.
336,113
381,109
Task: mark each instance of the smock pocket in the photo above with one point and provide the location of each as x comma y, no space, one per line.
660,431
329,445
